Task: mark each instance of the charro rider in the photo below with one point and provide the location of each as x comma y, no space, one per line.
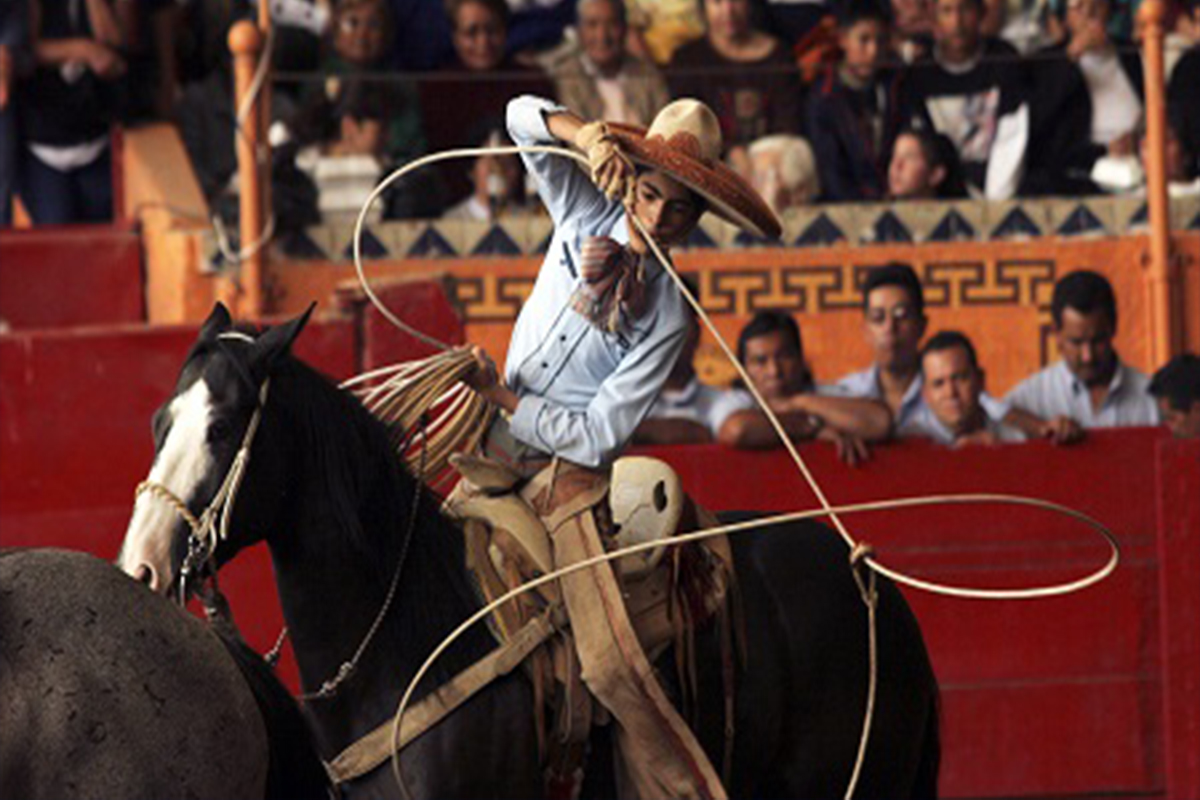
589,354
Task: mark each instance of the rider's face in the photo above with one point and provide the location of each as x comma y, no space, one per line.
666,207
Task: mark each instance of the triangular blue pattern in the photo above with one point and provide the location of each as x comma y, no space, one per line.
497,242
1016,223
953,228
699,238
431,243
888,228
544,246
371,246
1142,217
745,239
1194,225
298,244
821,231
1081,220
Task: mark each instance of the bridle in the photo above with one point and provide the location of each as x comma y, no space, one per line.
212,526
207,533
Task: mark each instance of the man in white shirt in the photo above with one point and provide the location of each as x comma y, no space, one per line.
772,352
1176,387
1089,387
952,389
689,411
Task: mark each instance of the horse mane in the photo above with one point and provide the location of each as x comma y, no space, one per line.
295,770
365,480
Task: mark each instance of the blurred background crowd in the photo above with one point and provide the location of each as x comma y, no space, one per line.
819,100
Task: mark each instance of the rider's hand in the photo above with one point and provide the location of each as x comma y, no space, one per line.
612,171
851,449
484,376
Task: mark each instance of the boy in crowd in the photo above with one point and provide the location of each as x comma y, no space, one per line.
973,90
771,350
1176,389
924,166
1089,387
952,413
854,112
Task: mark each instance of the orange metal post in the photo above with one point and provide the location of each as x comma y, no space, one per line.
245,41
1160,271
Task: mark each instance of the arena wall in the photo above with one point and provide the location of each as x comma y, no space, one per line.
1094,694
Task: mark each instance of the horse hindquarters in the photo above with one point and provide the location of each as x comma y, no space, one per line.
802,696
109,691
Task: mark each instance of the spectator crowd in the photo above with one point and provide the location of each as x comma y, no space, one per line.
819,101
932,388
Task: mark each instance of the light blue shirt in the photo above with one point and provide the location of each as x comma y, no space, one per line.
1056,392
924,423
866,384
700,403
582,390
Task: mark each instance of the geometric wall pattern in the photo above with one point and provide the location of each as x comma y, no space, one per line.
861,224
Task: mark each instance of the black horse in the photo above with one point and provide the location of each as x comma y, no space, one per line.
326,492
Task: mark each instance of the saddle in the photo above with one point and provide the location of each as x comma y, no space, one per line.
669,591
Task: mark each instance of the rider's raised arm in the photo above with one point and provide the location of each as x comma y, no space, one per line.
563,184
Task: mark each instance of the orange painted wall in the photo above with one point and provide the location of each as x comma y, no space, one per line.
998,293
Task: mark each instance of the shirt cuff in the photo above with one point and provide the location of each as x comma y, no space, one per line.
527,118
523,422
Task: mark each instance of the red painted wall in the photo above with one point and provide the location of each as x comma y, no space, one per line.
1093,694
70,276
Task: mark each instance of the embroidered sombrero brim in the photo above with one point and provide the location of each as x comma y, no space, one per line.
729,196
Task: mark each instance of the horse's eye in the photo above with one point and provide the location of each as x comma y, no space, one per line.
219,431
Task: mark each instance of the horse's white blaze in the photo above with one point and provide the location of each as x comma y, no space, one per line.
181,465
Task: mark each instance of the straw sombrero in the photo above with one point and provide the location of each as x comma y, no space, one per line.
684,141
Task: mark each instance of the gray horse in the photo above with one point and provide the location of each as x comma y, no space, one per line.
109,691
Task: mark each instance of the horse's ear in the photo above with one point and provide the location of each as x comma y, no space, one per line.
277,341
218,321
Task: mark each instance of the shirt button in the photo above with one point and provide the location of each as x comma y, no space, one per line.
562,337
545,365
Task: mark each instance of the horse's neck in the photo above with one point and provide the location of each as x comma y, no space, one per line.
333,585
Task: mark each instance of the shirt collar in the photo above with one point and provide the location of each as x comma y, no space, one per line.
1115,385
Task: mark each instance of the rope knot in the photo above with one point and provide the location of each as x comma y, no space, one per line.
860,551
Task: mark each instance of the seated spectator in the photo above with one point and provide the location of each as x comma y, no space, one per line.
893,324
912,29
66,108
660,27
783,170
1024,25
854,110
1181,93
352,126
1085,103
1176,389
1127,174
1089,387
973,90
743,74
15,60
476,85
603,81
953,413
499,185
924,166
688,411
772,352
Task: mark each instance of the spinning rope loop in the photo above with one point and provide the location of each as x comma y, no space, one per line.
860,553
